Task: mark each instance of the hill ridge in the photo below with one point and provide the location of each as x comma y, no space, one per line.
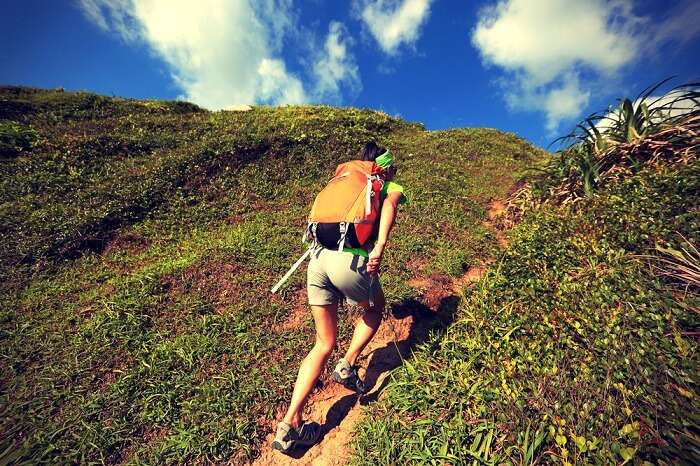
142,240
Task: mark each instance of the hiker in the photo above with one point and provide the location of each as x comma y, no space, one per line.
346,272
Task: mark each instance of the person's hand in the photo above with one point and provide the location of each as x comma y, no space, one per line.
375,259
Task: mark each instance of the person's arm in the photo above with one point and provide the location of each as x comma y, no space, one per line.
386,222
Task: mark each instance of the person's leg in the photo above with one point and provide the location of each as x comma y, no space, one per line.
365,327
326,320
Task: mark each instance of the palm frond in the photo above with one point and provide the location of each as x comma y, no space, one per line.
610,144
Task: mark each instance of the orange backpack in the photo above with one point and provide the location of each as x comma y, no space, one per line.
346,211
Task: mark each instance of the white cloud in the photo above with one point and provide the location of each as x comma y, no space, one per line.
546,46
681,24
276,85
225,52
279,16
561,100
112,15
547,37
92,11
336,65
564,102
394,22
557,52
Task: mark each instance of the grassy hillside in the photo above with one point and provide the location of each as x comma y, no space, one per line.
140,239
580,345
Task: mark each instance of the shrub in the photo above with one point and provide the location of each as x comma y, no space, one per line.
618,142
16,138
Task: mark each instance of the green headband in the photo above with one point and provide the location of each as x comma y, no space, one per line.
385,160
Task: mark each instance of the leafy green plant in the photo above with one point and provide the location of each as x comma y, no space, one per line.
608,145
16,138
633,120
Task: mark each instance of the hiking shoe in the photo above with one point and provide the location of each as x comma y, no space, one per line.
287,437
346,375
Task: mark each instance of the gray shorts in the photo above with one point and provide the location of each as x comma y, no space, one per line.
334,275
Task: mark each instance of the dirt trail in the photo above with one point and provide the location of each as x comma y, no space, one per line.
338,409
496,209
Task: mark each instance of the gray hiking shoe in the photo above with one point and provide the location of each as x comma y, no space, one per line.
287,437
346,375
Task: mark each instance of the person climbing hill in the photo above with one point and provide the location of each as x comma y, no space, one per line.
346,258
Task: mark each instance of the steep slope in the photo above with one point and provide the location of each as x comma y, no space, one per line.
577,347
142,238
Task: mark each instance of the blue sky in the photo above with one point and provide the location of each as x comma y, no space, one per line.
532,67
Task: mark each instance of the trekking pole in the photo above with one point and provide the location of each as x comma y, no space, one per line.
291,271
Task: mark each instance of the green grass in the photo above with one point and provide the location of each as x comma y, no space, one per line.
569,351
141,239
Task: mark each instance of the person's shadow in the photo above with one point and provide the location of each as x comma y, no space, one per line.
392,355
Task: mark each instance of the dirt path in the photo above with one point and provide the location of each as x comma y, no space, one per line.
336,408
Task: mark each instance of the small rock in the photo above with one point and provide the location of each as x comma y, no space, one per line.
238,108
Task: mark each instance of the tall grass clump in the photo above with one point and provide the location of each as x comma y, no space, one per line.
619,141
571,350
680,265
